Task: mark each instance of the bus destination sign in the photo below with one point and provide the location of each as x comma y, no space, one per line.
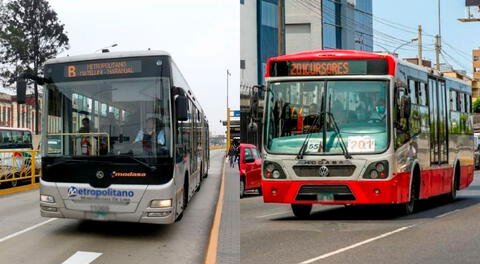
103,68
329,67
319,68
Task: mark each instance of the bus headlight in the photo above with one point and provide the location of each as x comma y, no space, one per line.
47,198
377,170
276,174
161,203
273,170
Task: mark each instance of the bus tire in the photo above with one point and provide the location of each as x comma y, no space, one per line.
259,191
185,192
410,206
200,179
242,187
185,199
301,211
13,183
452,195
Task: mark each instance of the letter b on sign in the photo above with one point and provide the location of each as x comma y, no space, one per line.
72,71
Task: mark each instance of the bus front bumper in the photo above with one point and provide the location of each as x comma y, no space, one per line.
392,191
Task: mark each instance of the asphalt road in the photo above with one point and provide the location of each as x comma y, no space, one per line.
438,233
58,240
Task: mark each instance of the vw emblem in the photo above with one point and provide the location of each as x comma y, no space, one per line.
323,172
100,175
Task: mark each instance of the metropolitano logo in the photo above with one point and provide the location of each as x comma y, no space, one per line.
72,191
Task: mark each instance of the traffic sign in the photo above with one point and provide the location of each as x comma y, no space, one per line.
236,113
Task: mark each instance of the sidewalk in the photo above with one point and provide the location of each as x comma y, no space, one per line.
228,251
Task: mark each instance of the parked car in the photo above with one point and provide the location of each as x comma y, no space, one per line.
250,169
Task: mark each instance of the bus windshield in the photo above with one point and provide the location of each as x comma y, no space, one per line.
129,116
325,116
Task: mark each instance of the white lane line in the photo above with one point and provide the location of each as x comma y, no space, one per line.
324,256
267,215
447,213
26,230
82,257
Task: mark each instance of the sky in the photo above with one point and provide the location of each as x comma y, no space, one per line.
460,38
202,37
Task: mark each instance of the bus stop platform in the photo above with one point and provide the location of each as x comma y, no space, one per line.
228,251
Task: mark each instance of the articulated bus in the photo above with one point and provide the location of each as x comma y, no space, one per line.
127,138
350,127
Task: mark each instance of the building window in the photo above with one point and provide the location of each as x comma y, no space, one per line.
332,20
269,14
242,64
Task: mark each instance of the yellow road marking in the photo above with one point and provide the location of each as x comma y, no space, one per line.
211,256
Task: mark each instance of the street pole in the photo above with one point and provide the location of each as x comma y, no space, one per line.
420,55
437,52
228,116
438,40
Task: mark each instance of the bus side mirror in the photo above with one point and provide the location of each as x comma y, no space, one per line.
181,108
21,90
252,127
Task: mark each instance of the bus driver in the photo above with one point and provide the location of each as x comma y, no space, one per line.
153,129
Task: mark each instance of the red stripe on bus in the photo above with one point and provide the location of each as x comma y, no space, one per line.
393,191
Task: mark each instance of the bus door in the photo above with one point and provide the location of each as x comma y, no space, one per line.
438,132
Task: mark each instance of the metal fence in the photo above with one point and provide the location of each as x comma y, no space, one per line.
19,169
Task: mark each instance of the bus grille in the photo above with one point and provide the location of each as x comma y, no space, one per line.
333,171
325,193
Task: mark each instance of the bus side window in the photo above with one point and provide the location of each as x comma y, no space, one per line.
453,100
422,94
412,90
460,102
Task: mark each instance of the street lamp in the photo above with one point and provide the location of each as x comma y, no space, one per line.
104,50
228,116
406,43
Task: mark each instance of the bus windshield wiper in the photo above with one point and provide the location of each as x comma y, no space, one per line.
343,146
303,149
63,161
146,165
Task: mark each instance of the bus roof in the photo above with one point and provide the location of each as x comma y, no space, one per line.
333,54
108,55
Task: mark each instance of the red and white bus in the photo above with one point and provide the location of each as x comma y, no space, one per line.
350,127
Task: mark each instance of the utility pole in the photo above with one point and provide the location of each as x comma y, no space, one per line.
438,40
420,55
438,48
281,31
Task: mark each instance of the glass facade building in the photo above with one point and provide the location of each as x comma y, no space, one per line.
347,24
267,34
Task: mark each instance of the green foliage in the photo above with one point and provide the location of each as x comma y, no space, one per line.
476,105
30,34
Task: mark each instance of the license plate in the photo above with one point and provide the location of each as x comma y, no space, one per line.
325,197
100,208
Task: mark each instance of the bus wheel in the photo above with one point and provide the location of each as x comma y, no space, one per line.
409,207
13,183
185,193
201,180
185,199
302,211
259,191
242,187
450,197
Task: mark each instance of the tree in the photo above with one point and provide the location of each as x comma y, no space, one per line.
476,105
30,34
